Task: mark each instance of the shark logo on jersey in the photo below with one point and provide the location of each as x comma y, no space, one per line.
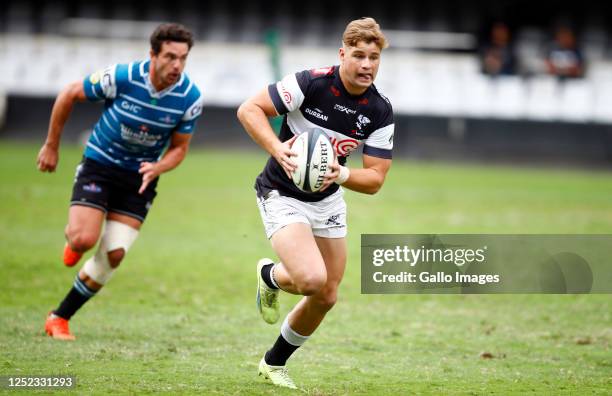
141,137
362,121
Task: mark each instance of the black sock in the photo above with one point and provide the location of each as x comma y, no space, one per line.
280,352
76,297
266,274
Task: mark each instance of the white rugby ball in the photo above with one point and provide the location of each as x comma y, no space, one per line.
315,154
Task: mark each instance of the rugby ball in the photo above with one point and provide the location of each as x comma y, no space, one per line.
315,154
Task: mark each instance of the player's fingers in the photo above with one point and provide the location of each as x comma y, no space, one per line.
145,183
144,167
287,160
290,141
44,166
326,184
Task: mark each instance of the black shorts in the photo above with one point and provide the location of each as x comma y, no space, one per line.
112,189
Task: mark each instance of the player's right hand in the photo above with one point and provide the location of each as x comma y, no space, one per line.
47,159
283,154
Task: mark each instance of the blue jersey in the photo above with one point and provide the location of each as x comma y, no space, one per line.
138,121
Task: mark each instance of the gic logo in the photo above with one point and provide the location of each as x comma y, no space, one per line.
130,107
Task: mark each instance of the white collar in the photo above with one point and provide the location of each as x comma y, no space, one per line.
147,79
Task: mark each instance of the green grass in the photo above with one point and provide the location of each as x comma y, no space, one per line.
179,316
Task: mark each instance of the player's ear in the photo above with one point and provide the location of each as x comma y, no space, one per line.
341,53
152,54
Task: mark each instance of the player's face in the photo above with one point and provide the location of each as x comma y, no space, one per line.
169,62
359,66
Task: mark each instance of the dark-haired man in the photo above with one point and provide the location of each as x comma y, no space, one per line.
148,106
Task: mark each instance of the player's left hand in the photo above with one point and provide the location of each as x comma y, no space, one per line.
331,175
149,171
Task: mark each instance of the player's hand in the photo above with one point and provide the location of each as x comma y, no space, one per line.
48,157
283,155
331,175
149,171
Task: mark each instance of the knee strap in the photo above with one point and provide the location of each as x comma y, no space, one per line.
116,236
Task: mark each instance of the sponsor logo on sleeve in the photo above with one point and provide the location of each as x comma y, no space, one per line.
287,98
196,110
95,77
107,78
321,71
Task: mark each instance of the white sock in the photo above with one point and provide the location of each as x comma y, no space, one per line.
291,336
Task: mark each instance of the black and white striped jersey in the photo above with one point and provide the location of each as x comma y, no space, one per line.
317,99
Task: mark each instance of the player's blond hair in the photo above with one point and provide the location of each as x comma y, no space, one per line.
364,29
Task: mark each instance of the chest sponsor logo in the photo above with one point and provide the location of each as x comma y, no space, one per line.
167,119
141,137
344,109
131,107
316,113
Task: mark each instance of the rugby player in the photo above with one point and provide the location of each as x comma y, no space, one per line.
148,106
307,230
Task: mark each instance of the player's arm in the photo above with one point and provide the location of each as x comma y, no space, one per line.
179,145
367,180
48,155
253,114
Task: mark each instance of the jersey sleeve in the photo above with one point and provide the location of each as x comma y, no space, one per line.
104,84
288,94
380,142
191,115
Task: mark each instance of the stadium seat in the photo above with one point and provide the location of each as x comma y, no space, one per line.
476,96
508,99
542,98
576,101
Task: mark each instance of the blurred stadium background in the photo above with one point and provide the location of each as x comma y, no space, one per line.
179,317
446,106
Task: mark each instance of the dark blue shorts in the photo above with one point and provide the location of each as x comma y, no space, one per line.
112,189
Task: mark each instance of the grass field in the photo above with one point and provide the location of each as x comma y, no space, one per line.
179,316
